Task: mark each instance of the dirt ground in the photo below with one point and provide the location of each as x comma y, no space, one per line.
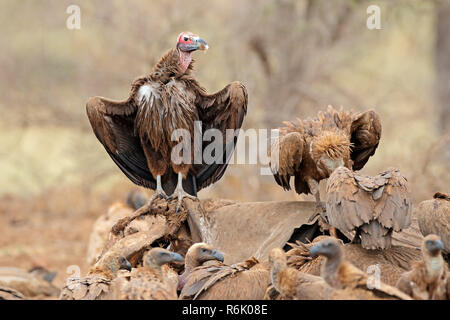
51,230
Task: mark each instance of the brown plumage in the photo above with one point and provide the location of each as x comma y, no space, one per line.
434,218
341,274
155,280
96,285
374,207
7,293
137,132
392,262
429,279
102,226
217,281
288,283
311,149
35,283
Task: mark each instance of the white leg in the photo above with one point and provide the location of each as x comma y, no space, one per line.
180,193
159,192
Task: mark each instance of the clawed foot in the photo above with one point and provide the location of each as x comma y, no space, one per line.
180,194
158,194
320,208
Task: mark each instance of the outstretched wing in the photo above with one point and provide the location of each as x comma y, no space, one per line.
348,206
113,125
286,157
223,110
365,131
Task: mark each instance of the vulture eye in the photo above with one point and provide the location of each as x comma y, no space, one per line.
186,38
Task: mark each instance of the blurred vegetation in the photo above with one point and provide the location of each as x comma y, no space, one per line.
295,57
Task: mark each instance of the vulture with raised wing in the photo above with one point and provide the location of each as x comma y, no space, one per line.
155,280
150,135
309,150
429,279
96,285
373,207
247,280
434,218
341,274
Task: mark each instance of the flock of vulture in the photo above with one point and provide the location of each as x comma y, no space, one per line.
145,248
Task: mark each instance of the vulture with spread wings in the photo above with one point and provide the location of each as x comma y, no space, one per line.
150,136
311,149
374,207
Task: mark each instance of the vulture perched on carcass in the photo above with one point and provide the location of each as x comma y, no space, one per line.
310,150
289,283
102,226
247,280
150,135
434,218
374,207
429,279
96,285
341,274
155,280
35,283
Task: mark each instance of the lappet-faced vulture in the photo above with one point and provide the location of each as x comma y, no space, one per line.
247,280
429,279
155,280
96,285
309,150
373,206
341,274
150,135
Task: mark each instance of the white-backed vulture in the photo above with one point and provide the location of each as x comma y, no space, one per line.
155,280
429,279
341,274
35,283
391,263
434,218
290,284
96,285
241,281
374,207
311,149
166,110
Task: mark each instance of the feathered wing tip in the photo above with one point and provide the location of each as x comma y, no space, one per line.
334,144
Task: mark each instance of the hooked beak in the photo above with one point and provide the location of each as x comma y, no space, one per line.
439,244
315,250
201,44
218,255
176,257
126,265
